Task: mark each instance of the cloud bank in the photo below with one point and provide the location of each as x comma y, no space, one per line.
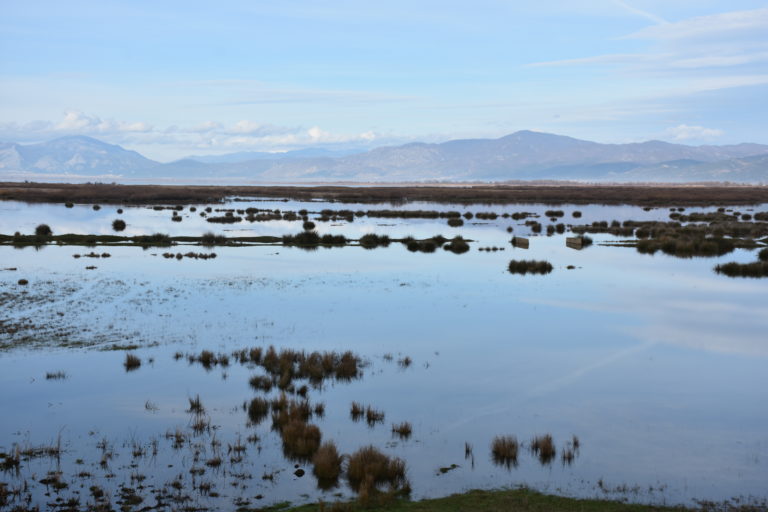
209,136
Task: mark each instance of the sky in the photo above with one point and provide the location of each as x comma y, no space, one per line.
171,79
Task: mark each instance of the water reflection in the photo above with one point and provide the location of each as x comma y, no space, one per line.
648,359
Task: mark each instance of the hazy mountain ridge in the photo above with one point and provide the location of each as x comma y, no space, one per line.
521,155
76,154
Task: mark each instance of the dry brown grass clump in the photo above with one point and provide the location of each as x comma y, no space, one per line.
402,430
300,440
261,383
357,411
368,469
372,416
504,450
544,448
327,465
132,362
257,410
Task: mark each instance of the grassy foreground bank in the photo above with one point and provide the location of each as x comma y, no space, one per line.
494,501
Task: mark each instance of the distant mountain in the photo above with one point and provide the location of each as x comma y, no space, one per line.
244,156
520,156
74,155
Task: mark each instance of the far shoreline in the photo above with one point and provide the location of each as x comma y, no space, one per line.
549,192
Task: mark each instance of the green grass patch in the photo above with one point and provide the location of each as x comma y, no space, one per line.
490,501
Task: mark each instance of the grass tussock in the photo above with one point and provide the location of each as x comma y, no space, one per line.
60,375
196,405
118,225
326,465
544,448
356,411
261,383
300,440
529,267
373,416
402,430
286,366
368,470
131,362
258,408
504,450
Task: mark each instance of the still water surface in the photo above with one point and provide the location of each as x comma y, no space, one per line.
657,364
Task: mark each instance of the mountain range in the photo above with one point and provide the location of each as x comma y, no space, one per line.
523,155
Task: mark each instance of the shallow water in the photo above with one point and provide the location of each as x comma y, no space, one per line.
657,364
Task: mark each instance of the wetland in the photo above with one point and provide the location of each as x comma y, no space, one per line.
243,348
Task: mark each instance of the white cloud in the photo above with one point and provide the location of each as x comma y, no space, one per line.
246,127
705,47
78,122
723,25
687,132
640,12
211,136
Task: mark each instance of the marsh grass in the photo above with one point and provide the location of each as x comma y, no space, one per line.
131,363
196,405
326,465
504,451
544,448
368,469
683,246
261,383
210,239
200,424
59,375
457,245
356,411
756,269
214,462
529,267
402,430
372,240
300,440
373,416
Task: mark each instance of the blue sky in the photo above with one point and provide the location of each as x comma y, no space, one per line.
175,78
